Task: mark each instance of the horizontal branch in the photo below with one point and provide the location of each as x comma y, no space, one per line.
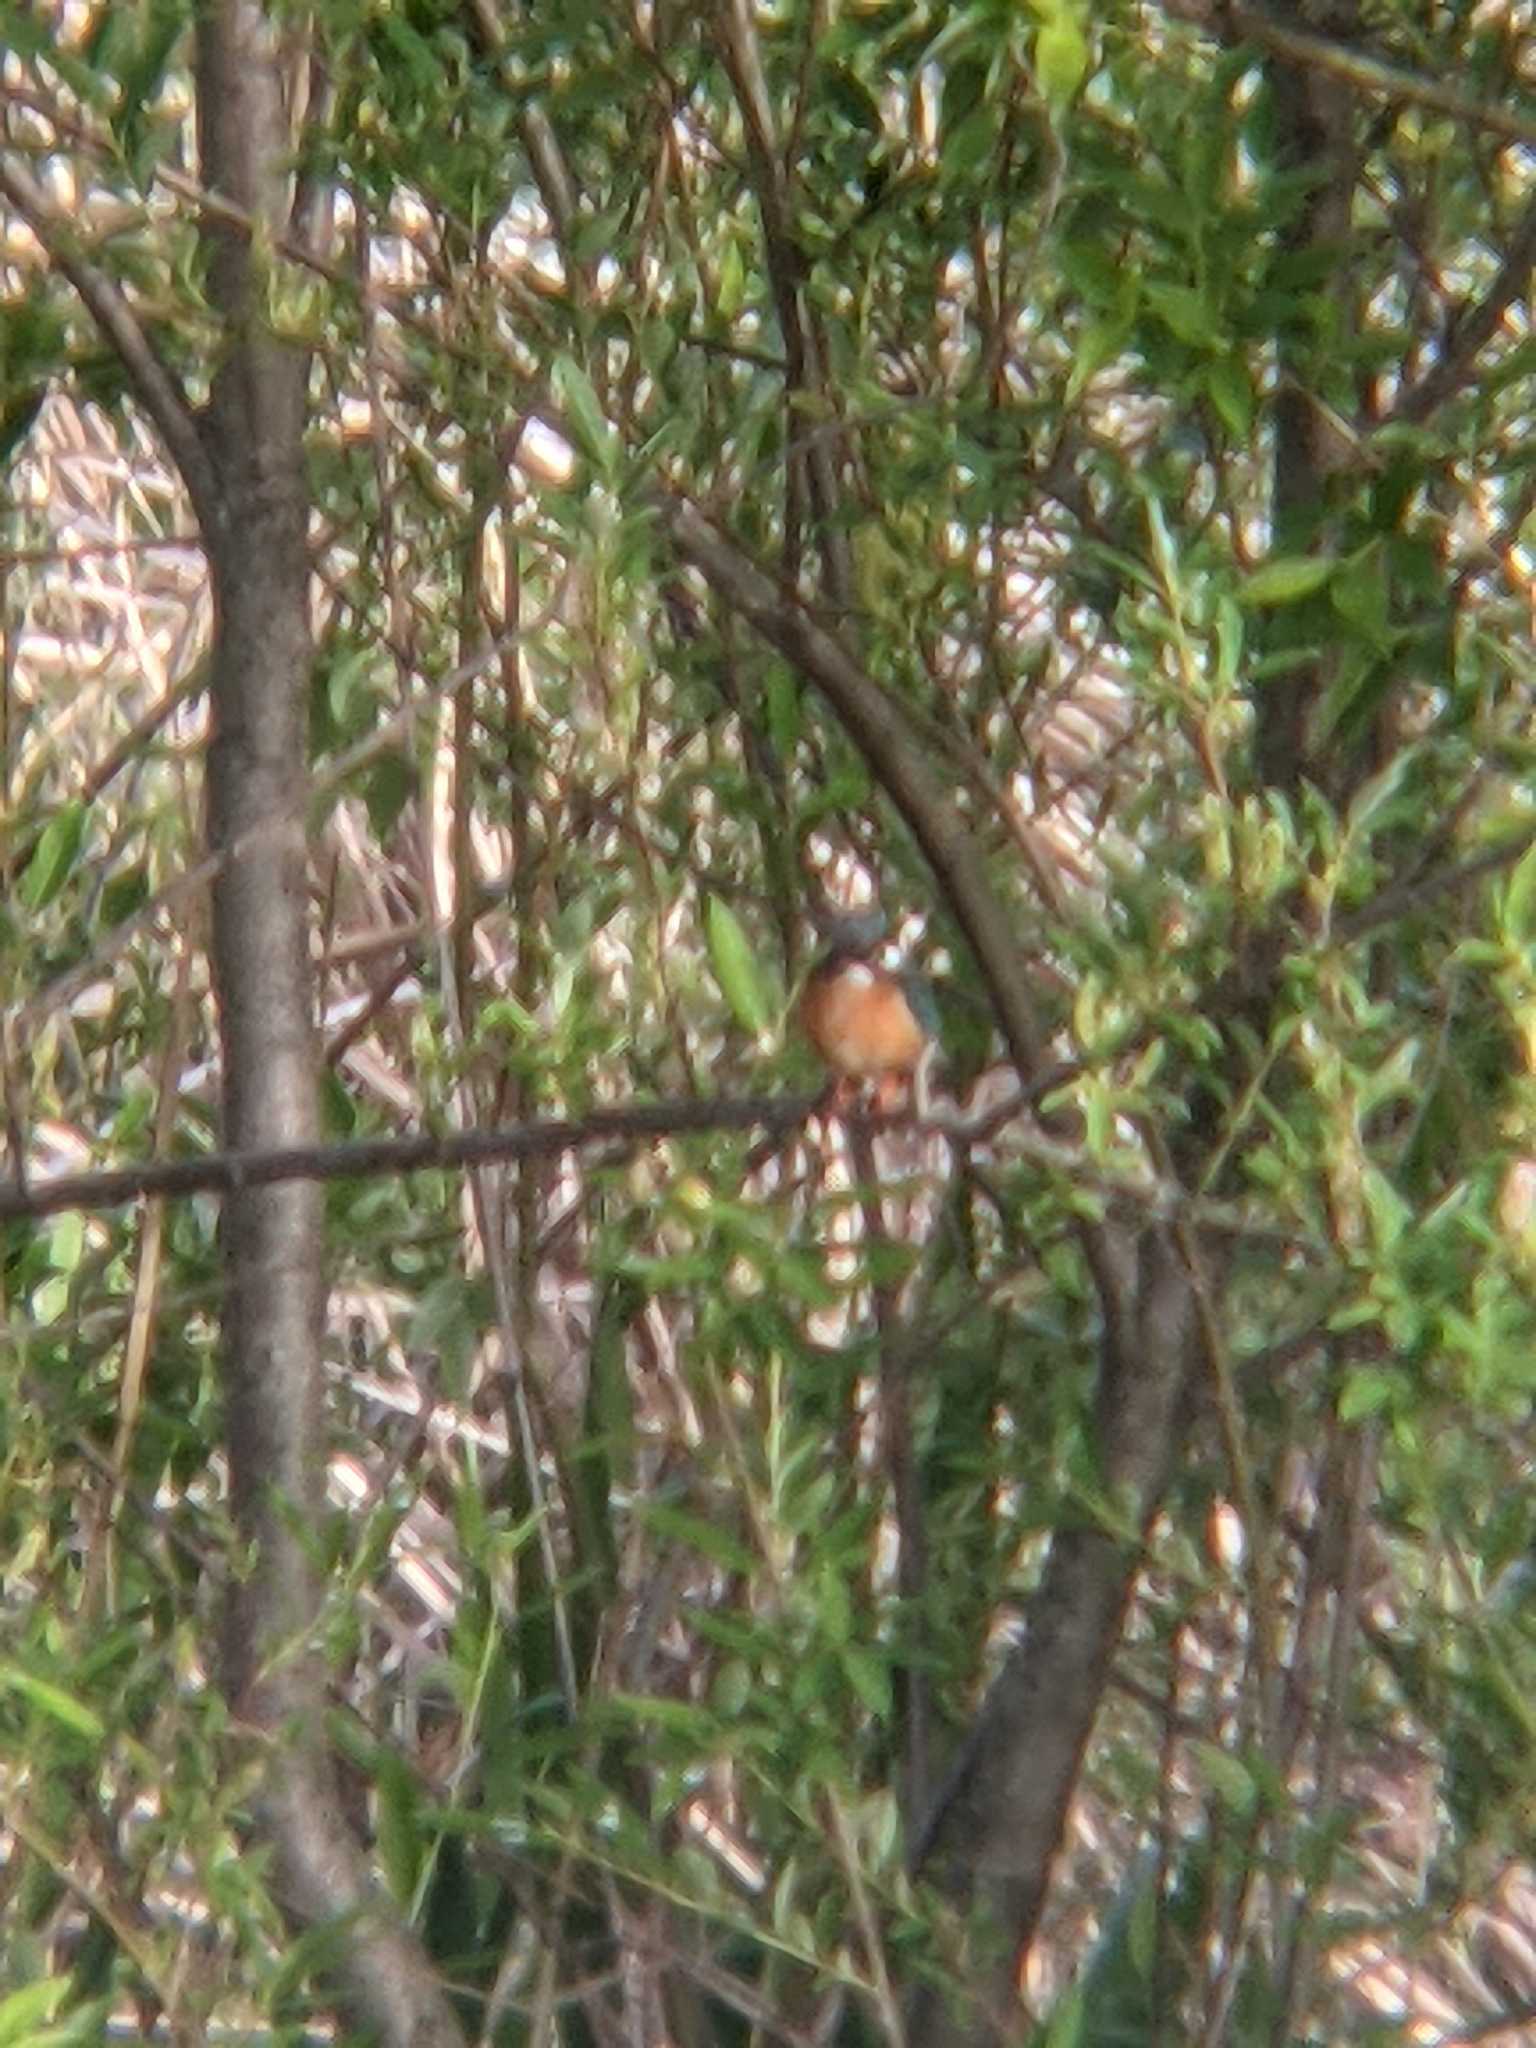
224,1172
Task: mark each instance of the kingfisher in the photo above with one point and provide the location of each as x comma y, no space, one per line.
869,1022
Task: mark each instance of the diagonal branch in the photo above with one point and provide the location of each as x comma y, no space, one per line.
1473,327
159,391
1371,77
880,727
993,1832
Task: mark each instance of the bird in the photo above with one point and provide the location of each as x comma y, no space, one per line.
870,1023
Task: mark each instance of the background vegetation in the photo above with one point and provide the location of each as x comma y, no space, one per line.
598,488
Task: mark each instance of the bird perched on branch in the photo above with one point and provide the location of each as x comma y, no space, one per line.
870,1023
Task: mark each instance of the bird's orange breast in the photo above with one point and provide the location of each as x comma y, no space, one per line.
863,1025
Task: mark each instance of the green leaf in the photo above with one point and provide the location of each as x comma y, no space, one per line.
1061,58
970,142
784,706
416,54
731,286
582,414
24,2010
704,1537
682,1717
1100,342
16,417
1286,580
732,1688
1359,594
141,76
1519,901
736,969
870,1677
1228,1777
853,99
54,856
1376,794
399,1826
125,891
53,1701
1184,311
65,1238
1065,2027
1231,392
449,1318
1229,641
1367,1392
389,787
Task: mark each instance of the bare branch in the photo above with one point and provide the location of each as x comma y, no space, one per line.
879,726
739,46
993,1832
1474,327
230,1173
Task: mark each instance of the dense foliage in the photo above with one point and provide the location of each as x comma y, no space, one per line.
1141,398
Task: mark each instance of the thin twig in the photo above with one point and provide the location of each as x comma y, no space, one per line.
1364,74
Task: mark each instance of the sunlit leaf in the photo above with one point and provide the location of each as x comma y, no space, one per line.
583,414
1286,580
23,2012
1062,56
48,869
736,968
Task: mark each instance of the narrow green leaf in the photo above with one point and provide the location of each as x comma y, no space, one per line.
23,2011
699,1535
17,415
731,287
732,1688
54,856
582,413
1229,641
52,1700
681,1716
870,1677
1231,392
853,99
1516,911
399,1826
65,1238
416,54
1286,580
736,969
1100,342
784,708
1065,2027
1377,792
1228,1777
